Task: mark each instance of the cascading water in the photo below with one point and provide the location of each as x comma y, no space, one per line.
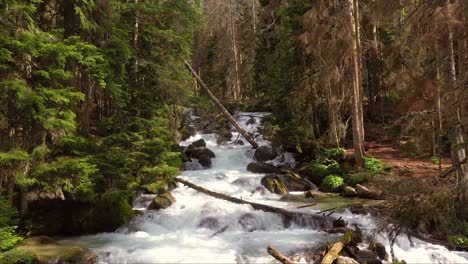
182,233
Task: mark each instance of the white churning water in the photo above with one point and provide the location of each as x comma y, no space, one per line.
173,235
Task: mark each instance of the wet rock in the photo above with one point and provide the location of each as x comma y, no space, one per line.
162,201
346,260
196,153
239,142
242,182
295,183
364,192
264,153
224,136
221,176
192,166
205,161
274,185
47,250
259,190
248,222
339,223
380,250
38,241
78,255
260,167
367,256
349,191
209,222
199,143
251,121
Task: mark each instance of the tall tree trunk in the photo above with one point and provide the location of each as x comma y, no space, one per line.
236,92
356,105
357,35
455,102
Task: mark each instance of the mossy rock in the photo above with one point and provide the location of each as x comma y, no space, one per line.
274,186
162,201
359,177
78,255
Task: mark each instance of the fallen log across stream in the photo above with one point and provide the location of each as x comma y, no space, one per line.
223,109
313,221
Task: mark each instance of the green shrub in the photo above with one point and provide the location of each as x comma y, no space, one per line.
332,183
458,240
335,153
374,165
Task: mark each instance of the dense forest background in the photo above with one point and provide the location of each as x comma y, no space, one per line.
93,94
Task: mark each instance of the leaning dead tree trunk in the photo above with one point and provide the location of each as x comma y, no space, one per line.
222,108
279,256
313,221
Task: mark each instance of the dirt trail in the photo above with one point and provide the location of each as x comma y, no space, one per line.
404,165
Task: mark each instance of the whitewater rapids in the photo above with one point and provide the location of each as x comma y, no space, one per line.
172,235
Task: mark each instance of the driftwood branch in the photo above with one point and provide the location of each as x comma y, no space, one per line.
335,249
313,221
223,110
279,256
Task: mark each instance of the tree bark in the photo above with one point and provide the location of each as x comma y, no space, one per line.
320,222
279,256
455,103
222,108
333,252
356,105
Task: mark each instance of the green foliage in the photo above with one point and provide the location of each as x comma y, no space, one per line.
332,183
458,240
8,236
436,160
334,153
358,178
374,165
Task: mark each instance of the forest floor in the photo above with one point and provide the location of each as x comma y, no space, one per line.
403,164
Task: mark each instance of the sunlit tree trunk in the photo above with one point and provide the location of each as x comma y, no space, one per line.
455,102
356,105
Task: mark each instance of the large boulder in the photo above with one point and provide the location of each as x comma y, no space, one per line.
248,222
291,182
274,185
47,250
209,222
196,153
78,255
191,166
264,153
260,167
199,144
162,201
205,161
